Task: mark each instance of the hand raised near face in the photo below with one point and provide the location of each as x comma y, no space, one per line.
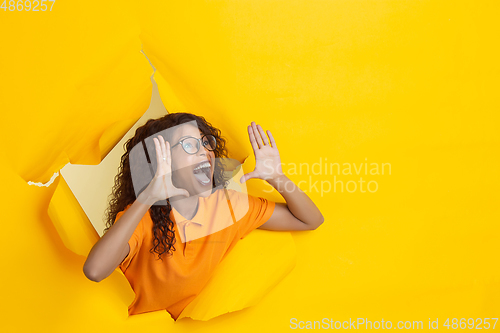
161,186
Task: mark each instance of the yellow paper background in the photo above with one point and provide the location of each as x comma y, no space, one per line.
410,83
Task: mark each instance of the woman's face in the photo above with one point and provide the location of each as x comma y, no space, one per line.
184,175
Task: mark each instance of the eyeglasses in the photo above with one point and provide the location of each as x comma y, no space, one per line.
191,145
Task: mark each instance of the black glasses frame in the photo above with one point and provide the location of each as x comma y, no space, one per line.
181,142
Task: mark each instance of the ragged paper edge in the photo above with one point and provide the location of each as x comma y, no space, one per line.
254,267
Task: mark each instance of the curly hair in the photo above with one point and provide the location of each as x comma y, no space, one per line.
123,190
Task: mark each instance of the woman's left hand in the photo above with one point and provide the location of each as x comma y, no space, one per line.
267,156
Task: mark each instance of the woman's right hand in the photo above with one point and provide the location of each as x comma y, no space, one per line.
161,186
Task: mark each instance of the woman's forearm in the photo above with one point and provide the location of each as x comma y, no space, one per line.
299,203
109,251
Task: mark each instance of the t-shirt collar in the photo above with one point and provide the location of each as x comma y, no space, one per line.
198,218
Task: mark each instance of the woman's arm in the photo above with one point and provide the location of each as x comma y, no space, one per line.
112,248
299,212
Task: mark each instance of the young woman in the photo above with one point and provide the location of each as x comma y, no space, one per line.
204,219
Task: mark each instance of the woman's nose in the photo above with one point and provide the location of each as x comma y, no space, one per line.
204,151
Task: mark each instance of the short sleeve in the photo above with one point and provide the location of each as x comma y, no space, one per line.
134,242
259,212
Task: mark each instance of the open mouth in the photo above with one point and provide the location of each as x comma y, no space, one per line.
202,173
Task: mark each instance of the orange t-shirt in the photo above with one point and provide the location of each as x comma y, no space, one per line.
201,244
